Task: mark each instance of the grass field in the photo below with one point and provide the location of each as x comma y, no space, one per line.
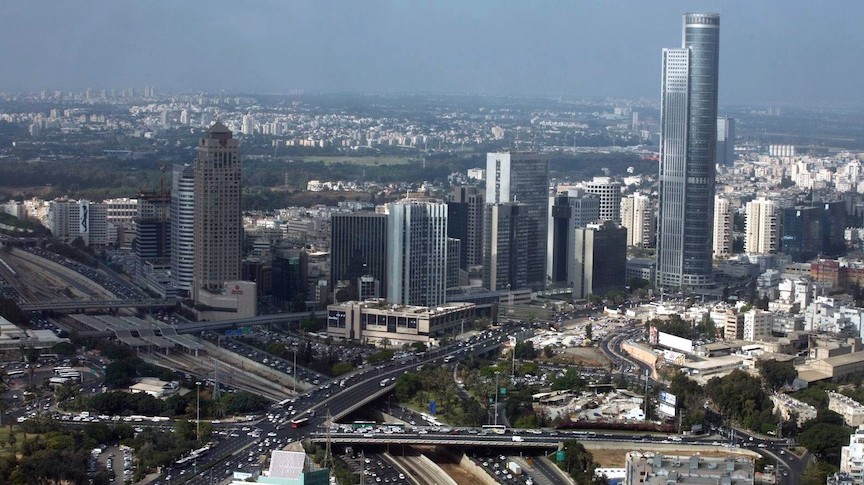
5,449
383,160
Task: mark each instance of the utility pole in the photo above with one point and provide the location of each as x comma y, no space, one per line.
496,399
198,411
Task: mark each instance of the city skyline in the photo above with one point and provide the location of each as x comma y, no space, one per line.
277,49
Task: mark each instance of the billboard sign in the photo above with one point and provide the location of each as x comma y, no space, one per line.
668,398
674,342
666,409
672,357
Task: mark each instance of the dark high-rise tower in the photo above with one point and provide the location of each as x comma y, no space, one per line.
358,247
218,219
688,119
522,179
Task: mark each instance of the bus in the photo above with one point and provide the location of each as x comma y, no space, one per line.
363,424
61,369
48,357
299,423
283,403
15,373
495,428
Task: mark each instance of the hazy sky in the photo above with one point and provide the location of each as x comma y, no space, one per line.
790,51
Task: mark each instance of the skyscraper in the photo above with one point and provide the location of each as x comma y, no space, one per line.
571,210
688,119
523,178
465,222
218,219
417,252
761,230
358,247
182,227
505,252
609,193
725,154
722,228
637,215
600,263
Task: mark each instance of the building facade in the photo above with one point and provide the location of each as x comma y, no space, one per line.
218,225
762,226
465,206
722,228
637,215
688,119
183,227
358,247
600,263
608,191
505,247
417,252
523,178
725,140
570,210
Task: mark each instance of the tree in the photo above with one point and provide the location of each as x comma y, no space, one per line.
579,463
816,472
341,368
777,374
548,352
589,331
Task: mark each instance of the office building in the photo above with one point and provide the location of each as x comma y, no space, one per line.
465,207
182,227
722,228
600,263
506,251
69,220
218,223
152,244
688,119
570,210
812,230
288,278
358,247
609,193
454,252
416,252
637,215
761,227
523,178
373,321
733,328
725,152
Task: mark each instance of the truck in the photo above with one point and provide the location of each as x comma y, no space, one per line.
514,467
517,438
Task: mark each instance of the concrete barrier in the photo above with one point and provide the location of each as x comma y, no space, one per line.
477,471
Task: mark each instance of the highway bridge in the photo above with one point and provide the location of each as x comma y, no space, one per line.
276,318
80,305
441,439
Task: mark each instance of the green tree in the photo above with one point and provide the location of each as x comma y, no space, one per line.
777,374
579,463
816,472
548,352
341,368
589,331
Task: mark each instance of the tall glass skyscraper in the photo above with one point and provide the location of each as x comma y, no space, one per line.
688,119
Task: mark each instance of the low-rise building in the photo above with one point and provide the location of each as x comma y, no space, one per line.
788,406
649,468
376,320
851,410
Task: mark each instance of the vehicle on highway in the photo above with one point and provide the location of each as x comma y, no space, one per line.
299,423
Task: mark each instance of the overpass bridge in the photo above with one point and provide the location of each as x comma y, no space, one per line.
74,306
195,327
441,439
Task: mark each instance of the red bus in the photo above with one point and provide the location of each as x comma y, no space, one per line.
299,423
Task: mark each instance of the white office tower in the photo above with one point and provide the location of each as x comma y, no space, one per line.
417,252
184,117
609,193
761,227
637,215
722,227
182,227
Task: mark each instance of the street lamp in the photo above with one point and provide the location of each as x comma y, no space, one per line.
198,411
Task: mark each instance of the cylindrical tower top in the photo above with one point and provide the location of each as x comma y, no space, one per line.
702,19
